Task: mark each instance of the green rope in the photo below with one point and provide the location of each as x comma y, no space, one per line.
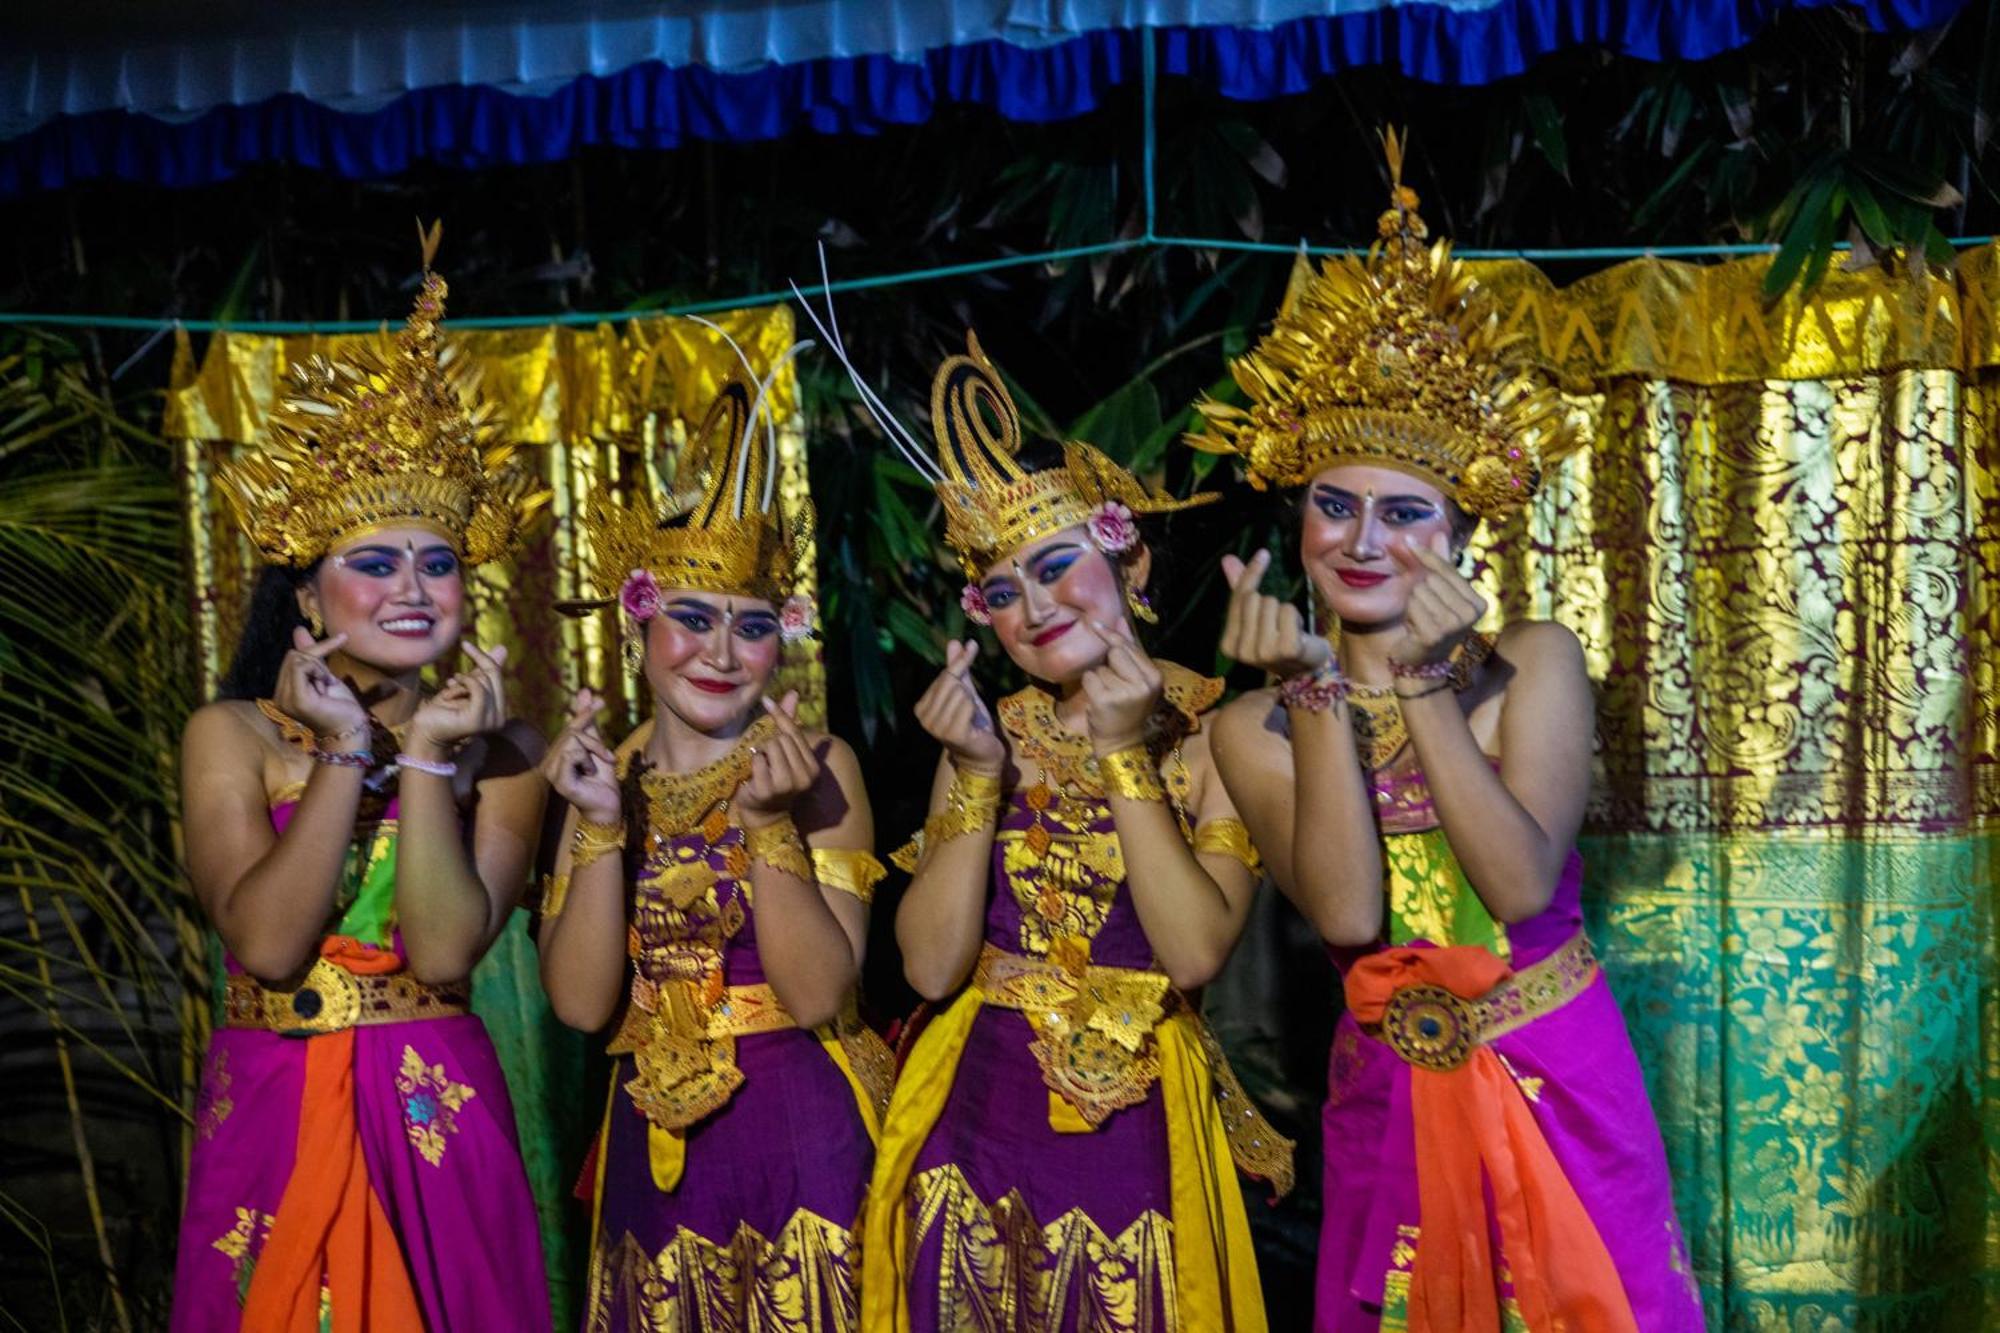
1597,254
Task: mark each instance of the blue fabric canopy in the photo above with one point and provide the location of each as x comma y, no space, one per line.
382,97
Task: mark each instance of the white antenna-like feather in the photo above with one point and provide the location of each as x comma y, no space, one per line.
906,444
770,432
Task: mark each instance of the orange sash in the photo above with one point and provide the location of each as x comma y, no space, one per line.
1472,1120
329,1224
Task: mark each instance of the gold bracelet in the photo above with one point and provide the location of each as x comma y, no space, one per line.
779,846
555,892
594,840
970,804
1131,773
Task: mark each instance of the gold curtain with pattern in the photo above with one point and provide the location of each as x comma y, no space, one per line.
591,405
1781,555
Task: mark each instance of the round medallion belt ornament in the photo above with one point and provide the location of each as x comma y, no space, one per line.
328,1000
1430,1027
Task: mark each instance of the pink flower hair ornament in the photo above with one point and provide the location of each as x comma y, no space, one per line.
973,602
1112,528
797,618
640,596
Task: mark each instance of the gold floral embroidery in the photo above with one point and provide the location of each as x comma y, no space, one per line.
241,1245
1002,1271
431,1103
214,1102
685,911
1430,898
800,1281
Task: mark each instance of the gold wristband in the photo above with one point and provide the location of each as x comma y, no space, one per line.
779,846
593,840
1131,773
970,804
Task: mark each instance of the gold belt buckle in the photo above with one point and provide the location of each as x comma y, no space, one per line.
1430,1027
328,1000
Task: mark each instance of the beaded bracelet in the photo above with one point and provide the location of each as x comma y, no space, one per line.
1423,670
1314,691
436,768
1131,773
344,758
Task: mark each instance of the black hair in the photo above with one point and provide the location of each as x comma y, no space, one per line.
267,632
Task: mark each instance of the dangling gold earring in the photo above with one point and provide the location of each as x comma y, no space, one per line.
315,624
1141,609
632,645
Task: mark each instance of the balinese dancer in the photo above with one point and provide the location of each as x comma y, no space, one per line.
710,907
1491,1157
1056,1156
358,845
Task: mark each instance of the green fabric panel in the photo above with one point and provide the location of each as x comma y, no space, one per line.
545,1066
1809,1010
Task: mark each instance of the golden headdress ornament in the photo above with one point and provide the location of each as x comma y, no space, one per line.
722,531
992,504
1393,360
373,441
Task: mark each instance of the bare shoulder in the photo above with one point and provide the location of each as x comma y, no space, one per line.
1541,645
1240,723
227,726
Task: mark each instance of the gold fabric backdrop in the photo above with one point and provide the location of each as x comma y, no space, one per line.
591,405
1781,556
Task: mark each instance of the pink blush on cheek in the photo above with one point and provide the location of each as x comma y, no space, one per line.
669,645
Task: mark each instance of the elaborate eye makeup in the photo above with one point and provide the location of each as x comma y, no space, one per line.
437,563
381,562
1049,566
1334,502
999,592
1396,511
1402,511
755,625
692,616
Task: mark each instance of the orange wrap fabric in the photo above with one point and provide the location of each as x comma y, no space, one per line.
1472,1121
329,1223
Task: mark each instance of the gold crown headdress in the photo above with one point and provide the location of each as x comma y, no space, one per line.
992,504
373,441
1393,360
722,531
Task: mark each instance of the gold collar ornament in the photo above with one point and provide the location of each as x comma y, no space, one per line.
373,442
992,504
722,531
1393,360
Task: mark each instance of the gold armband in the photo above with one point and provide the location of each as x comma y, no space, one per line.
778,846
1131,773
849,870
1228,837
594,840
555,892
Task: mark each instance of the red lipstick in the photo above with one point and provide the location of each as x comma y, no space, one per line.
1360,578
1049,636
711,686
